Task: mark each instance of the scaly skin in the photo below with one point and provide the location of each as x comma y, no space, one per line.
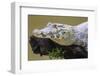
64,34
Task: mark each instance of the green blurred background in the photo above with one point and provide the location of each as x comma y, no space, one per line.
40,21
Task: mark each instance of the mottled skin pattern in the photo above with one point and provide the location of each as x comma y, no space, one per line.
65,34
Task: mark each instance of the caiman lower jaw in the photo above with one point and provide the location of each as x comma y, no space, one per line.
62,41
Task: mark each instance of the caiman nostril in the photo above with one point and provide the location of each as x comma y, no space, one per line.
43,34
52,36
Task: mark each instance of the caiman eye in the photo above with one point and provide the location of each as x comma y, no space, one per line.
55,26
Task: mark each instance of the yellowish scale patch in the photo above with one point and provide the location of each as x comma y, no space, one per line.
62,41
